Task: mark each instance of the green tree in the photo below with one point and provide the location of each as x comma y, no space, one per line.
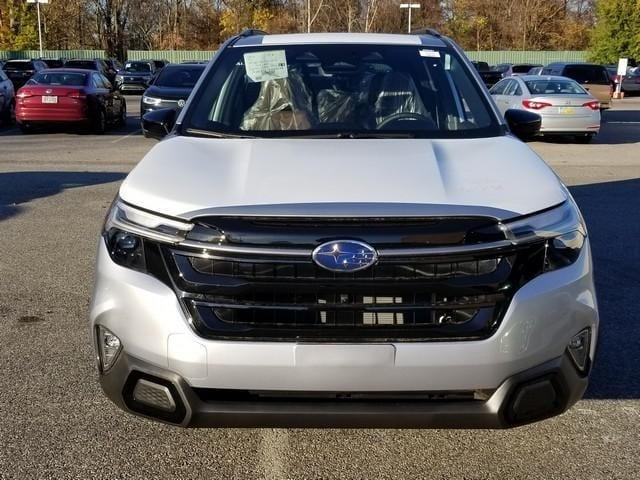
617,31
18,27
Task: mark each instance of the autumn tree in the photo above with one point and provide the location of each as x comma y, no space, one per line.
617,32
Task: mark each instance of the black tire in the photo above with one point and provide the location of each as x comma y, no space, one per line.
100,122
25,128
584,139
8,114
122,117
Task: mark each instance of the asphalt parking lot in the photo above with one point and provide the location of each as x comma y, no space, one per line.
55,188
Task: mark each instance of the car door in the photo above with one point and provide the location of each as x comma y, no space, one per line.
114,99
498,93
102,94
513,95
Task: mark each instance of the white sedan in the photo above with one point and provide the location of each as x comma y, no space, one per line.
566,108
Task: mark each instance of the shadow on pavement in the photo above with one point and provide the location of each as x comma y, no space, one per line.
21,187
619,126
611,212
132,126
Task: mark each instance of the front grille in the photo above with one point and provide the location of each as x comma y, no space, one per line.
400,271
289,298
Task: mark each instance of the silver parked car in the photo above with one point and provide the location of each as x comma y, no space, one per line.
566,107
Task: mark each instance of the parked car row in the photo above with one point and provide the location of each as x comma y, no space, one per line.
81,92
20,71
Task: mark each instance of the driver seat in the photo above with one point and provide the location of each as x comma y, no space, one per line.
397,94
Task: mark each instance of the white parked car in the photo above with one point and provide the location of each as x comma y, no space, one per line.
565,106
341,230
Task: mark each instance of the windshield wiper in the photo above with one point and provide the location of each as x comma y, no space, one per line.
212,133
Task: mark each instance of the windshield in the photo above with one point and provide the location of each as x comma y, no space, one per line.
138,67
347,89
83,64
554,87
60,78
594,74
18,65
522,68
179,77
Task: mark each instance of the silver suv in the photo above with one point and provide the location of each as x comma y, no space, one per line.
342,230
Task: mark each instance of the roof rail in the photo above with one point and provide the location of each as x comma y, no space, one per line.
426,31
250,32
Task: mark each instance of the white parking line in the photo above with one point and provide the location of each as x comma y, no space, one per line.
126,136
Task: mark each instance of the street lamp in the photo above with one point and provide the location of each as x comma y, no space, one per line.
410,6
38,2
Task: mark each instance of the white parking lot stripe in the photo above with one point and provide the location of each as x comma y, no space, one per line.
126,136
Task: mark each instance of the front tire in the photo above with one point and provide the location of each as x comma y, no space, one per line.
100,122
122,117
8,114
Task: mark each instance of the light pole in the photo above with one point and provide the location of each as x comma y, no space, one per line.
38,2
409,6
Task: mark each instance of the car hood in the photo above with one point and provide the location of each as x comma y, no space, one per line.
168,93
188,177
124,73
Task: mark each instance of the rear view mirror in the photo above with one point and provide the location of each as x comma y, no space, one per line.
523,124
158,123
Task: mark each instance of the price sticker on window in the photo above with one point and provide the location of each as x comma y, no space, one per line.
267,65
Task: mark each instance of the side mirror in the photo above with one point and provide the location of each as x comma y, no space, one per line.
158,123
522,123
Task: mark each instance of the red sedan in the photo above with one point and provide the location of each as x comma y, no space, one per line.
65,95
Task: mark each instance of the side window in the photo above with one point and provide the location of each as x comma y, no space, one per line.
97,81
511,86
498,88
106,82
518,90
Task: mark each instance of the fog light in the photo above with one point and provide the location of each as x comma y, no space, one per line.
109,347
579,348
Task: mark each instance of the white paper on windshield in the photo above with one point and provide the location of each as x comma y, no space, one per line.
429,53
269,65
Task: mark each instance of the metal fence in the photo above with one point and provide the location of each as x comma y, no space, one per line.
538,57
174,56
177,56
66,54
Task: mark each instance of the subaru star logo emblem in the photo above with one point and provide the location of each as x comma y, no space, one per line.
181,103
345,256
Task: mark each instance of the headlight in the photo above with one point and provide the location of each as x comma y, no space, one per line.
151,100
127,227
119,78
562,229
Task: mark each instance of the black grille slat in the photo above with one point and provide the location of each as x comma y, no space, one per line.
410,298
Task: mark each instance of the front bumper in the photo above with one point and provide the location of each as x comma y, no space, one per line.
530,343
537,393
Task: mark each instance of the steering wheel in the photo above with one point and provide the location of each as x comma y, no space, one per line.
403,116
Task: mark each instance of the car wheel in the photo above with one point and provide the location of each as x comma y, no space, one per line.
25,128
122,118
9,114
100,122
